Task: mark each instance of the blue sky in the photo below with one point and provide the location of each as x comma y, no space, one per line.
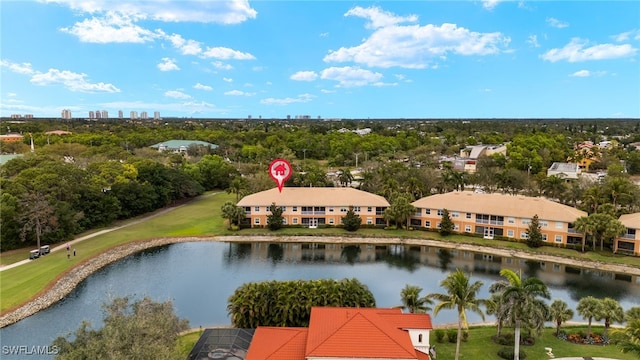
334,59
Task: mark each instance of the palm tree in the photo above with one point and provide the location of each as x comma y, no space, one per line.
412,301
238,186
345,177
520,297
559,312
610,310
586,226
588,308
461,295
630,338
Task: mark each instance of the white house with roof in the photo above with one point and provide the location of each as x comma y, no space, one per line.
181,146
564,170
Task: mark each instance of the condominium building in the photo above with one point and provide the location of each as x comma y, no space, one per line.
105,114
92,115
498,215
133,115
144,115
308,206
629,242
120,114
65,114
156,115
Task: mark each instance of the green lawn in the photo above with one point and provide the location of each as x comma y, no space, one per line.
201,217
480,346
187,341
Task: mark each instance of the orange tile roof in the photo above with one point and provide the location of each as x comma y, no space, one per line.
409,321
631,221
357,332
318,196
278,343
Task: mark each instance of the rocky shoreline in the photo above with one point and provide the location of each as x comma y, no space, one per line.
67,281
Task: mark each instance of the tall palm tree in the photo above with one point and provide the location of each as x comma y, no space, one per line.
520,297
610,310
559,312
412,301
461,295
589,308
630,338
586,226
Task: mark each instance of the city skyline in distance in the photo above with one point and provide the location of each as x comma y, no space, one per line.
235,59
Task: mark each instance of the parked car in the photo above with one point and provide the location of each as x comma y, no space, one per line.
34,254
45,249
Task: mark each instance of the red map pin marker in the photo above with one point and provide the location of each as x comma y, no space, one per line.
280,171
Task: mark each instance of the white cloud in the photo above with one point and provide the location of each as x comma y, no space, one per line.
186,47
587,73
490,4
113,28
533,41
626,36
324,34
229,80
304,76
176,94
379,18
24,68
326,91
414,46
576,50
225,53
220,65
239,93
302,98
351,76
168,64
72,81
206,11
553,22
202,87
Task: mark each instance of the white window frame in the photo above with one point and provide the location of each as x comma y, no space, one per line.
294,220
524,235
256,221
510,233
558,238
467,228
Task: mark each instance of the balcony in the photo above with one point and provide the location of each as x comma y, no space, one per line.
318,212
489,222
629,236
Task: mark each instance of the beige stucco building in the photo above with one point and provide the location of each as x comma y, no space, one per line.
629,242
308,206
499,216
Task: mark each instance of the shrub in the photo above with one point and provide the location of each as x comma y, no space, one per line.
507,353
452,335
465,335
439,334
504,339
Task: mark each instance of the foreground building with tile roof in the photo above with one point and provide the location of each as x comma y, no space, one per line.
309,206
499,216
347,333
629,242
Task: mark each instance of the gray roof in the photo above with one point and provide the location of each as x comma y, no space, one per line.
564,167
177,144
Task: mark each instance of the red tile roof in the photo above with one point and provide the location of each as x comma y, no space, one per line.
277,343
343,333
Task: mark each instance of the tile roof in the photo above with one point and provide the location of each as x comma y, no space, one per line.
314,196
176,144
278,343
357,332
631,221
500,204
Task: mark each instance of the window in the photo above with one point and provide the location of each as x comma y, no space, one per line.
256,209
369,209
331,221
559,225
427,211
467,228
284,208
510,233
558,238
256,221
468,215
456,227
544,223
295,208
544,237
343,209
356,208
427,224
419,338
330,208
524,235
526,221
511,220
369,221
295,220
455,214
440,212
284,221
437,225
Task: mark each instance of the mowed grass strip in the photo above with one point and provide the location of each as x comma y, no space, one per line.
200,217
480,346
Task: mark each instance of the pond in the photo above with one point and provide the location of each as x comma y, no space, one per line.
199,277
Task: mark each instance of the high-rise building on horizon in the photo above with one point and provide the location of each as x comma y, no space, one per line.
144,115
92,115
105,114
120,114
156,115
65,114
134,115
